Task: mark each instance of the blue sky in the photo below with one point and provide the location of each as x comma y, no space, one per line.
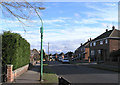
66,24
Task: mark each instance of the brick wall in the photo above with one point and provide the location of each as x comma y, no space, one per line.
11,75
87,53
114,45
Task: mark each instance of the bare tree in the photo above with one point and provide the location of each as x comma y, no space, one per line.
21,10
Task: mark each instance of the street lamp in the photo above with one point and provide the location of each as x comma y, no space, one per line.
41,63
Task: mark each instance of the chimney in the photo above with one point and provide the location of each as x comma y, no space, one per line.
113,27
106,30
90,39
81,44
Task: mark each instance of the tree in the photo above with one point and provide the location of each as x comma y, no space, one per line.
17,11
44,55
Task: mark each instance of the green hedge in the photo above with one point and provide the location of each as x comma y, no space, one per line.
15,49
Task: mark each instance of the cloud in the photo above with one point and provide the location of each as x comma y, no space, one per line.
77,15
53,21
61,40
63,46
87,21
109,13
73,33
111,4
66,33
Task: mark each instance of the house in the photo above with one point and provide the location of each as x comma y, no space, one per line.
76,54
55,56
34,55
82,53
60,56
87,50
69,55
104,44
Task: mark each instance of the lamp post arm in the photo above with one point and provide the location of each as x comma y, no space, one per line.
39,17
36,13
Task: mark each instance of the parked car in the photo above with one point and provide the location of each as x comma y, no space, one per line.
65,60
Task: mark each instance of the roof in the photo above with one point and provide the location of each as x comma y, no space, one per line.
114,33
104,35
111,33
86,43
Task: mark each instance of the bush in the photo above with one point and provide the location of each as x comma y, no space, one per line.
115,53
15,49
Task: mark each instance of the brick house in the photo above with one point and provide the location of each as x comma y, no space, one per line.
104,44
82,53
76,53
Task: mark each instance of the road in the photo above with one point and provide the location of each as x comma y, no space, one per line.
83,74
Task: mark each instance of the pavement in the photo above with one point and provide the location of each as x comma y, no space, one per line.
82,74
31,76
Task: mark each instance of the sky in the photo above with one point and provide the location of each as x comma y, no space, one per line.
66,24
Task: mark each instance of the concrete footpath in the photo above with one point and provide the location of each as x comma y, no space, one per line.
31,76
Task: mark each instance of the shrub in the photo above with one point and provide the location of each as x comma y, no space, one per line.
115,53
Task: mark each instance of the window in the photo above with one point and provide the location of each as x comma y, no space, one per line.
91,44
99,51
94,44
106,41
92,52
81,49
101,42
79,55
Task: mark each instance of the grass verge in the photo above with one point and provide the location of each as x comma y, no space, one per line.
48,75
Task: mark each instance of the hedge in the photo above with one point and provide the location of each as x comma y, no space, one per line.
15,50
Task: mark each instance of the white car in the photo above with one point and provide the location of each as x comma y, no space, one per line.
65,60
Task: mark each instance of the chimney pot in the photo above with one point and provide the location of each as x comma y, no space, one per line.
106,30
113,27
90,39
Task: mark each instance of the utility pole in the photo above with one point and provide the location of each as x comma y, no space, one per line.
48,52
